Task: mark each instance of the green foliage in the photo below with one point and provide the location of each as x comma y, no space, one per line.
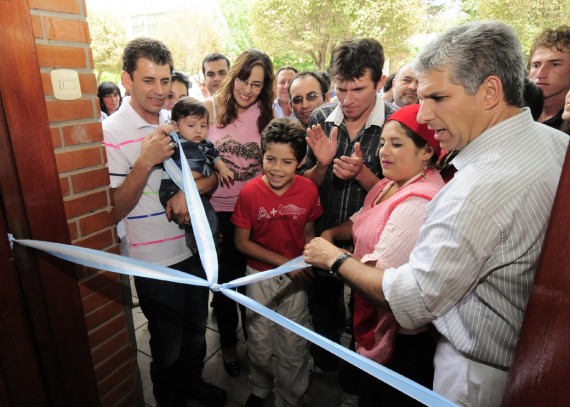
314,27
237,14
190,38
108,38
302,63
527,17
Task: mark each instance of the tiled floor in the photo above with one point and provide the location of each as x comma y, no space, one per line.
323,390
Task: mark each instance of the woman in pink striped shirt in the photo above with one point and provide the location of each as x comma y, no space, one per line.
385,231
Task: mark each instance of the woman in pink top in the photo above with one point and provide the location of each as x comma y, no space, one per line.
238,112
385,231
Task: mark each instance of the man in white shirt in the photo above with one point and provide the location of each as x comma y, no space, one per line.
136,142
472,268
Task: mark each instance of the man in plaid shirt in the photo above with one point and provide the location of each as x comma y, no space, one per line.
344,140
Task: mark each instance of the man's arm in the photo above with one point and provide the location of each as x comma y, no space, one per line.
154,150
324,150
365,279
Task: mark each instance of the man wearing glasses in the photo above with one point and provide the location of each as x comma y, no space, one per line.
307,91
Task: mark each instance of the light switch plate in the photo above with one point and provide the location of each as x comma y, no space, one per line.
65,83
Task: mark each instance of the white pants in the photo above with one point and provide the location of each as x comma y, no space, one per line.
290,369
465,381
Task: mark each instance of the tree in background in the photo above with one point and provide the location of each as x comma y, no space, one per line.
527,17
108,38
190,36
314,27
237,16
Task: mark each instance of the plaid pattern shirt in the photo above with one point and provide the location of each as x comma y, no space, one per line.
341,198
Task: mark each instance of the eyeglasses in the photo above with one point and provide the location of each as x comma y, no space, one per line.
255,86
111,95
311,97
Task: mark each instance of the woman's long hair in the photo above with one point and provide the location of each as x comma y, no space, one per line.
242,69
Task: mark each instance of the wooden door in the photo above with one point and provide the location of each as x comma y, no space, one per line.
45,355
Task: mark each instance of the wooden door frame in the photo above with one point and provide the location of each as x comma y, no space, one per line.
33,206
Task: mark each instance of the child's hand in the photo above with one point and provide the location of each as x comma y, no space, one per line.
302,277
226,177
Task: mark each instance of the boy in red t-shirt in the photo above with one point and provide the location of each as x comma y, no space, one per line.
274,218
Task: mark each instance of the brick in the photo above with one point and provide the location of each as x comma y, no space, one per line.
119,397
83,273
104,313
104,349
81,205
130,400
55,137
62,110
37,27
114,249
88,84
61,29
82,133
55,56
64,185
97,221
103,295
125,372
106,330
113,361
92,179
76,159
96,282
73,231
64,6
96,241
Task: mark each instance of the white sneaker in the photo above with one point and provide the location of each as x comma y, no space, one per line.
349,400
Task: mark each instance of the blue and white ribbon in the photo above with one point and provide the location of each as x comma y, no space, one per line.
205,242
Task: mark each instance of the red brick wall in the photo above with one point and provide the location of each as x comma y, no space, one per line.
63,41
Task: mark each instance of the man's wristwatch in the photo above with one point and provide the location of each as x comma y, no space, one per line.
337,263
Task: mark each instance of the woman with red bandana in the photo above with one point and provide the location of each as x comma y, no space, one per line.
385,231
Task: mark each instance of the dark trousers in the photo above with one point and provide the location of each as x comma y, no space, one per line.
231,265
326,305
177,315
413,358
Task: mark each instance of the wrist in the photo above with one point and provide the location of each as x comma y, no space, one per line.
338,261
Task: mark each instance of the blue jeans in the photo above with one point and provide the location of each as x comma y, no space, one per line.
177,315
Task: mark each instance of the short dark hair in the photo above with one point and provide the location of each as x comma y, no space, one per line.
178,76
149,48
326,76
285,131
212,58
389,82
106,88
188,106
352,58
322,82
